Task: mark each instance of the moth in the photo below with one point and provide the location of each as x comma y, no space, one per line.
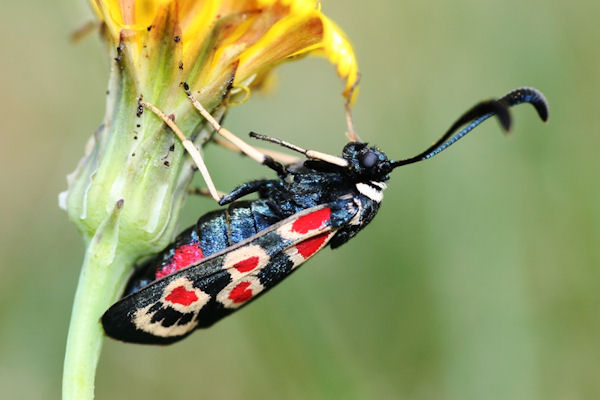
233,255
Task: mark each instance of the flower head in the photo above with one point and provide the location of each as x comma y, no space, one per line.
222,49
209,41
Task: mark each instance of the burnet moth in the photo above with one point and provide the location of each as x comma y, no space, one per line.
233,255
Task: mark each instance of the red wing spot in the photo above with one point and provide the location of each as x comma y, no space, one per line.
180,295
246,265
310,246
240,293
164,271
184,256
311,221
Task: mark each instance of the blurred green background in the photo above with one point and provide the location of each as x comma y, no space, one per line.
478,280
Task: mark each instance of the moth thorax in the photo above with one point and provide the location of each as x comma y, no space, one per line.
372,189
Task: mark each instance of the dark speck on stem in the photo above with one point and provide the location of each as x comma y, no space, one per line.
140,108
176,39
166,163
119,52
172,148
137,125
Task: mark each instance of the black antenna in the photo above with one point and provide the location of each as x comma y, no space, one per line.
479,113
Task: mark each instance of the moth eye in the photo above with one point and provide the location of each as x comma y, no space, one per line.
368,159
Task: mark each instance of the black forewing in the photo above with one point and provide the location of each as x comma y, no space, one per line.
163,324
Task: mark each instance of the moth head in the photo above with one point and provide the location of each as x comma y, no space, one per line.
366,162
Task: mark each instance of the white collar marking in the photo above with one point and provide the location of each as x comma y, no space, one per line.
380,185
371,191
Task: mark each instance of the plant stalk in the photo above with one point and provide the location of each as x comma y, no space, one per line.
102,276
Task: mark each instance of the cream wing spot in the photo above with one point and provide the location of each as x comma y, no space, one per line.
245,260
306,225
238,292
301,252
181,297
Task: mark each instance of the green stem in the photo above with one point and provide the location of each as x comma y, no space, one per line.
102,275
135,161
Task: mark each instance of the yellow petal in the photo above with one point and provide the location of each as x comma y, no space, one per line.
254,35
337,48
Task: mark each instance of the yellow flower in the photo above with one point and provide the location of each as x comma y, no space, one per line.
215,40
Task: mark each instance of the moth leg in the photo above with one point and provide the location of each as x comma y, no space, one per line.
204,192
312,154
189,146
279,157
247,188
253,152
236,141
351,133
